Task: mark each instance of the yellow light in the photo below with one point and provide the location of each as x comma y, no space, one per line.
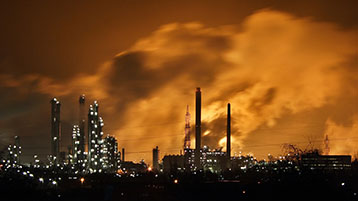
207,132
82,180
149,169
175,181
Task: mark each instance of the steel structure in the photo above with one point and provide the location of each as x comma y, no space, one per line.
326,146
187,129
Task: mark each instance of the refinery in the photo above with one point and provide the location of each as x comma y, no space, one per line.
94,158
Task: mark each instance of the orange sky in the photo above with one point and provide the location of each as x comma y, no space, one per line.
289,72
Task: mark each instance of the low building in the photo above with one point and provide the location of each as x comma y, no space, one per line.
242,162
130,167
173,163
213,160
189,159
210,160
314,161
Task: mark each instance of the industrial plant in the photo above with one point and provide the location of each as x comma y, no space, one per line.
93,152
202,158
93,158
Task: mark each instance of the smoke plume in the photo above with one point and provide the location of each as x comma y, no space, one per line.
272,66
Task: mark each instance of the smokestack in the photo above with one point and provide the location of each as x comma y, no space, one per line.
122,154
82,126
155,158
17,149
197,127
198,118
55,129
228,132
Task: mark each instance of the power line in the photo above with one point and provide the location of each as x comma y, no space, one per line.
136,152
301,142
150,137
143,126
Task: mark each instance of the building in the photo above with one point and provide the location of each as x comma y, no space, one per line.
213,160
189,160
110,157
242,162
173,163
95,141
128,167
315,161
55,130
210,160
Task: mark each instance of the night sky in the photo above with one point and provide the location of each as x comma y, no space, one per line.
288,68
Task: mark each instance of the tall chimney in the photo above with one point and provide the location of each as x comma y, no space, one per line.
228,132
82,126
122,154
198,118
197,126
55,129
155,158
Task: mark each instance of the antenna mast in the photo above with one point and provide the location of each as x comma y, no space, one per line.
326,146
187,129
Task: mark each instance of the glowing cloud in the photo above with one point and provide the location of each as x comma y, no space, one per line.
272,65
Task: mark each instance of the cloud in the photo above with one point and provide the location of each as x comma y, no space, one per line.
274,64
343,139
271,66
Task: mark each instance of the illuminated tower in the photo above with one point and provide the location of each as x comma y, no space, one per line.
55,129
187,129
78,159
197,127
326,146
17,149
14,151
95,124
109,154
82,127
228,132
